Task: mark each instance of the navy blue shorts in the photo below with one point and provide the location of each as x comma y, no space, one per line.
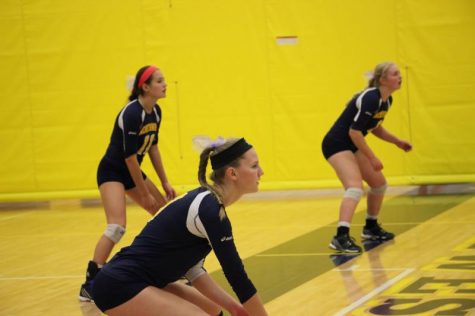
331,146
109,292
107,172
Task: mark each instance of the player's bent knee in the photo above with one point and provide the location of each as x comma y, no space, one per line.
114,232
353,193
379,190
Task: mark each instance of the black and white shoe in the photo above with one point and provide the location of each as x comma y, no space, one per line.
376,233
345,243
85,293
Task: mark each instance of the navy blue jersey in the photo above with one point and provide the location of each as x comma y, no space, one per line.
135,131
177,240
364,112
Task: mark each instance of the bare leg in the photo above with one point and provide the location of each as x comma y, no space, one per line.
113,200
194,296
346,167
153,301
375,179
377,182
347,170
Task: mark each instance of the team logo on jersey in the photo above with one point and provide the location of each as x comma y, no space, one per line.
150,127
380,115
226,238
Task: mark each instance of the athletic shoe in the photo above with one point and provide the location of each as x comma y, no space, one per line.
85,294
345,243
376,233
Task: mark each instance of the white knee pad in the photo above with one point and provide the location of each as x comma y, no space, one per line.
353,193
114,232
379,190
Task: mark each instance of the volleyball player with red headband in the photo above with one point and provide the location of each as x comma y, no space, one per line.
134,135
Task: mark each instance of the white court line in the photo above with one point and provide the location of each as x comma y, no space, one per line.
15,216
374,292
52,277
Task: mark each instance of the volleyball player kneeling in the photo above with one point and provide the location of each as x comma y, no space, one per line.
143,279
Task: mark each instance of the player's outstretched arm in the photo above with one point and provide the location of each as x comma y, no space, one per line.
209,288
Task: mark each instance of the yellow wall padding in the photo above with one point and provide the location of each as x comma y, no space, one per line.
64,68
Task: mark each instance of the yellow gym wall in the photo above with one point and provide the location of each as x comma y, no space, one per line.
64,69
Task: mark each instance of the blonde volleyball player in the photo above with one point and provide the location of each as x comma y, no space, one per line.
142,279
345,148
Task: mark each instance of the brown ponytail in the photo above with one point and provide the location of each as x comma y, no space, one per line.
204,156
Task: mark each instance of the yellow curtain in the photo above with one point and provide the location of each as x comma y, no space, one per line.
276,72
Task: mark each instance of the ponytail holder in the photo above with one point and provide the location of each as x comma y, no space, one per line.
145,75
216,143
369,75
201,142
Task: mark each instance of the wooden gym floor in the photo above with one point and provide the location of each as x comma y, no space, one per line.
429,269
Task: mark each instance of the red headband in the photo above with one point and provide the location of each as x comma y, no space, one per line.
145,75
